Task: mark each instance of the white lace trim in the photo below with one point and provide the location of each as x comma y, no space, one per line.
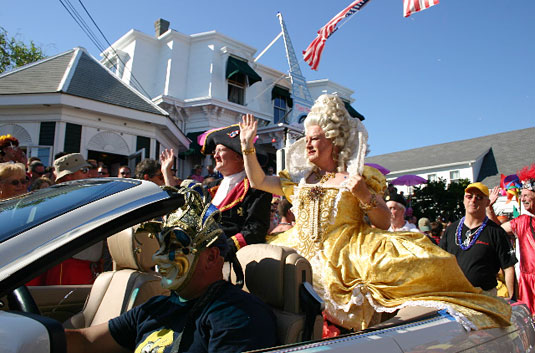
460,318
343,312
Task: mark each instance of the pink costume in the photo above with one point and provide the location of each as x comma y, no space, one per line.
526,240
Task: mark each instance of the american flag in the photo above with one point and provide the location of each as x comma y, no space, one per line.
312,54
411,6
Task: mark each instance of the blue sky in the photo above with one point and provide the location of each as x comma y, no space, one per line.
458,70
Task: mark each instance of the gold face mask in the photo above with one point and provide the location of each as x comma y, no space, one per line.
184,234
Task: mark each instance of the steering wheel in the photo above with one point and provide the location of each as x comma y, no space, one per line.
21,299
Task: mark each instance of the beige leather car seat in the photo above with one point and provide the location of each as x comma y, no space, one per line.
275,274
131,282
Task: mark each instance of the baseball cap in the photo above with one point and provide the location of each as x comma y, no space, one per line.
480,186
69,164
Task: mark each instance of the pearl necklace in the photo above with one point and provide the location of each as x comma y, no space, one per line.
471,238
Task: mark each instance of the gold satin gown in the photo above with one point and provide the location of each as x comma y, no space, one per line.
359,270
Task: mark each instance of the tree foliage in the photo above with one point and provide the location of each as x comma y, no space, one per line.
15,53
437,199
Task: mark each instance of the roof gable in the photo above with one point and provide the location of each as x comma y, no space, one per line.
76,73
43,76
503,153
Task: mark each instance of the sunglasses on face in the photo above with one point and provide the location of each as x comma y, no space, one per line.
15,182
84,170
125,173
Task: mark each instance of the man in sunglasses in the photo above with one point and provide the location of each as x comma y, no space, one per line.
71,166
480,245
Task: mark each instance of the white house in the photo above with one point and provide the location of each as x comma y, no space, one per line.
208,80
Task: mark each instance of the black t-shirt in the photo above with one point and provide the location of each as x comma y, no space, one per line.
234,321
483,260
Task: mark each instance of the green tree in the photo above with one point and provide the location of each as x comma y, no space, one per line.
436,199
15,53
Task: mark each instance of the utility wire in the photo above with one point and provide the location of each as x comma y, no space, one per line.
113,49
95,40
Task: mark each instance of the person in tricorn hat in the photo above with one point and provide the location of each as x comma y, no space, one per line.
397,205
245,211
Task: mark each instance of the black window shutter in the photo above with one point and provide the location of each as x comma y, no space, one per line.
73,137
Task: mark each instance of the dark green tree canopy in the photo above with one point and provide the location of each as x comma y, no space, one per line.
436,199
15,53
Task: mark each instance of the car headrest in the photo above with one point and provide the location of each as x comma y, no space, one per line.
274,274
132,250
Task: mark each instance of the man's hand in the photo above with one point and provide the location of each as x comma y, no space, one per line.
493,195
167,158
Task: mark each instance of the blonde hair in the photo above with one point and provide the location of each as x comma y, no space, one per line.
329,113
8,169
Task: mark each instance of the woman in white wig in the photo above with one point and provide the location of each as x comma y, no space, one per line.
359,270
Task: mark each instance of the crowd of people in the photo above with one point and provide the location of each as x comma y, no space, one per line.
370,258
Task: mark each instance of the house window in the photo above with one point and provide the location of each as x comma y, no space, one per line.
455,175
282,101
279,109
236,88
432,177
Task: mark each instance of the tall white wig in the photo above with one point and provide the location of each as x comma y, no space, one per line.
347,134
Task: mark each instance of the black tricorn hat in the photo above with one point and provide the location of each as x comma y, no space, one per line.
227,136
398,198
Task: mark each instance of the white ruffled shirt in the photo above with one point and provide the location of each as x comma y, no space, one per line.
227,184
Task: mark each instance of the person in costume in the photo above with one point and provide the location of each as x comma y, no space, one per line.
245,212
480,245
204,313
360,271
523,227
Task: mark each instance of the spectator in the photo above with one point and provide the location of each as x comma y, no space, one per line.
270,171
13,180
196,173
124,172
211,172
204,313
32,159
93,169
36,170
149,169
437,229
10,150
523,228
424,225
274,218
287,218
79,268
103,171
480,245
245,211
70,167
397,206
41,183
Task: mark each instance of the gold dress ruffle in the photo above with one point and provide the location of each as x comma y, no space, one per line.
359,270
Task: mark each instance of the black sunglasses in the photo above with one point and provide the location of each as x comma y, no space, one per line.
15,182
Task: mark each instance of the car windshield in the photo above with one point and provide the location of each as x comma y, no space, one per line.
26,211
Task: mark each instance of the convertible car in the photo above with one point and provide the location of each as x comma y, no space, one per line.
42,229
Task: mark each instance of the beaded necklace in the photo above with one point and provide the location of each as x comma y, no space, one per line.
471,238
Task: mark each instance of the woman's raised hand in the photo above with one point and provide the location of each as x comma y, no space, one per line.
248,127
